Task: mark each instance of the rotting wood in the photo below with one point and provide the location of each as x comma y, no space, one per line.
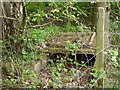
59,42
79,51
92,38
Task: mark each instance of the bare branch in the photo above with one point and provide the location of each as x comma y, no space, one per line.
8,18
37,26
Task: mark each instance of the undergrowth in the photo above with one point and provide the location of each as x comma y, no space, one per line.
18,67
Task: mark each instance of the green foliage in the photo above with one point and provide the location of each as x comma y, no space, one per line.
62,12
40,35
37,35
109,76
10,82
35,11
114,16
113,64
99,74
28,78
113,54
60,74
114,22
69,11
77,28
67,17
72,47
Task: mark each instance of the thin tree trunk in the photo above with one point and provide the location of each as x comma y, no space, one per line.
12,23
1,24
12,35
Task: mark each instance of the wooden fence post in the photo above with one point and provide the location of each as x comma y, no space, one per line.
100,40
99,63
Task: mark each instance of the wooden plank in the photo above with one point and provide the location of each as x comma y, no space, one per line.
92,38
62,50
99,63
87,38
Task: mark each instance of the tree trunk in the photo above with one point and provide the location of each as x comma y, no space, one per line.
1,24
13,16
11,34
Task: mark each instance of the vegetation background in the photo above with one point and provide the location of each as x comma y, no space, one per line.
27,25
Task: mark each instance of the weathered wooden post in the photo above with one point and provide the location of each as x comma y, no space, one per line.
99,63
1,26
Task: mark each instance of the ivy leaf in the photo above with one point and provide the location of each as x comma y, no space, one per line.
23,51
115,53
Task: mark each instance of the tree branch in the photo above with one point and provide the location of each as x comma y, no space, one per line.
37,26
8,18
